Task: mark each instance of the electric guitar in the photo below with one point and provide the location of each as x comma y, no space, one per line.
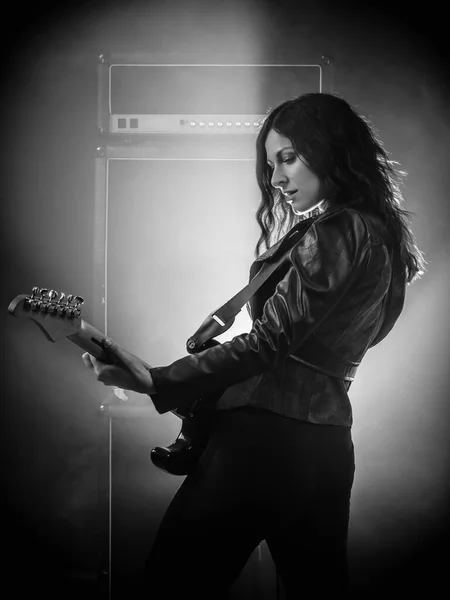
59,317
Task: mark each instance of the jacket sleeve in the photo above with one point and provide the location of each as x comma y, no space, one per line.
323,265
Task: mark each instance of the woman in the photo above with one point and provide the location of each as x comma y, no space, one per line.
279,464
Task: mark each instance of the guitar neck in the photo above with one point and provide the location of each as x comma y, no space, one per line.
89,338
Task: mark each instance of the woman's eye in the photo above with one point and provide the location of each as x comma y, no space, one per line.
285,160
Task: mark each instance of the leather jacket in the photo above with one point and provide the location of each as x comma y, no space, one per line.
339,293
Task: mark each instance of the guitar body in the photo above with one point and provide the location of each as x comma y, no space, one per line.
181,456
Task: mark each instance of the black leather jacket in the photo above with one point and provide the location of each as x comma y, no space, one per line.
338,294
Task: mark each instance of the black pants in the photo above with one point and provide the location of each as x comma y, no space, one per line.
262,477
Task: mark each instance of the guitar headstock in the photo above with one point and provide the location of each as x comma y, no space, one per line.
56,315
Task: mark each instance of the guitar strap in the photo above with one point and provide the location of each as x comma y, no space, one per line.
220,320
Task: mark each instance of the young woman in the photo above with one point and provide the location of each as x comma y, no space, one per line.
279,464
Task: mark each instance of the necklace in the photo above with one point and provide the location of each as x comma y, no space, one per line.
315,211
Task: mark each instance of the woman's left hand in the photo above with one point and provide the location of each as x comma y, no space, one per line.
126,371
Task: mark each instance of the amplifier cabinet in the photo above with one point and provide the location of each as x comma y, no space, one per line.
175,236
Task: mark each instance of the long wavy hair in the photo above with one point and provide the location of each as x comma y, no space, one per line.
342,149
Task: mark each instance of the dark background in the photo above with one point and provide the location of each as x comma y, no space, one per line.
390,61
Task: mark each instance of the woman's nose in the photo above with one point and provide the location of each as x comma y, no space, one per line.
278,177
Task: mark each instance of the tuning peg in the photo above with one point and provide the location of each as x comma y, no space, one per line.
69,309
43,303
51,306
79,301
61,305
34,300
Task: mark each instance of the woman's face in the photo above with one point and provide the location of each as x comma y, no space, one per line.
300,187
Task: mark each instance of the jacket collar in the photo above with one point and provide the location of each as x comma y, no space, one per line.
302,226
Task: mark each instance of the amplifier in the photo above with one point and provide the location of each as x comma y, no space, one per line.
219,99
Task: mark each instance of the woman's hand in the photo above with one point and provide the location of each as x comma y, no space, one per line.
127,371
